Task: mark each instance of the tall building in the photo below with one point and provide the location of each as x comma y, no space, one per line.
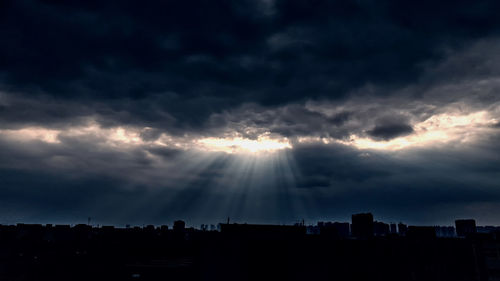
465,227
393,228
179,226
362,225
402,228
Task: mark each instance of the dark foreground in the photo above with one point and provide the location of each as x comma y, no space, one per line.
85,253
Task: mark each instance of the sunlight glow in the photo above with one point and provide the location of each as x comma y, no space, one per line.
126,137
31,134
438,129
241,145
112,136
445,128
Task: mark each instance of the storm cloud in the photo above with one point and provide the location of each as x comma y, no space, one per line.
264,111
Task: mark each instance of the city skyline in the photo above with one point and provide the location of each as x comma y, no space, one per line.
391,227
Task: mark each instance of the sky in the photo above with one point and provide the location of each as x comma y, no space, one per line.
263,111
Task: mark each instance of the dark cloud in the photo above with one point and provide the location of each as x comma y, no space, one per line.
390,131
205,57
319,73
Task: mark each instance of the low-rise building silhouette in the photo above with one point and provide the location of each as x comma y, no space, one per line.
263,231
465,227
421,232
380,228
334,229
445,231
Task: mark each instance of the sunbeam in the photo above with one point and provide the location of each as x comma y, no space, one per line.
243,145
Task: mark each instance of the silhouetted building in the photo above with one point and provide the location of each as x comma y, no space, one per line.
242,252
380,228
487,229
343,229
393,228
107,228
62,226
362,225
149,228
263,231
402,229
465,227
334,229
312,229
445,231
179,226
421,232
82,227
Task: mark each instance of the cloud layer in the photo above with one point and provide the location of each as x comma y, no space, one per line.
265,111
